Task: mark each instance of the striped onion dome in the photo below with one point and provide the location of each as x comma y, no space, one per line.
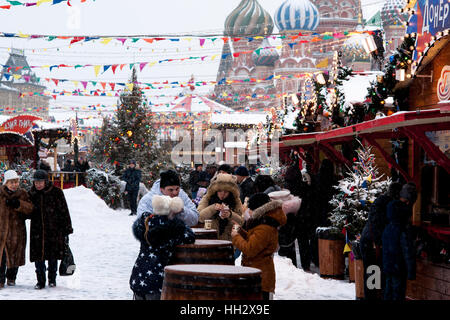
248,19
297,15
391,15
265,55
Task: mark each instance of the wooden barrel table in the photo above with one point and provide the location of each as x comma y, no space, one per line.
202,233
211,282
204,251
331,259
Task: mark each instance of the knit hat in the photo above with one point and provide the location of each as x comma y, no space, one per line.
165,205
409,192
169,178
257,200
10,175
242,171
40,175
132,161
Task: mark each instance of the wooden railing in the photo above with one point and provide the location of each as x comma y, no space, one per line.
67,177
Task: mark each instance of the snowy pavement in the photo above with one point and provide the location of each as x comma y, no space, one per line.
105,251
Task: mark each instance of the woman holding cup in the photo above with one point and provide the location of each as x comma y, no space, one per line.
222,206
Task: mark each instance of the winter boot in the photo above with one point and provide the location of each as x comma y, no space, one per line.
2,285
41,281
52,280
11,283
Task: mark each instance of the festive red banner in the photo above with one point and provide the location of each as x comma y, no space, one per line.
20,124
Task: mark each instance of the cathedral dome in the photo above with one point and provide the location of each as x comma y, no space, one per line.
391,15
265,55
297,15
248,19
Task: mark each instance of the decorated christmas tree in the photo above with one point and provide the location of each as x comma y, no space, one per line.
310,109
384,87
131,135
357,191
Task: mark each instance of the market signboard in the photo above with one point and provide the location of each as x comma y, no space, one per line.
20,124
430,18
443,85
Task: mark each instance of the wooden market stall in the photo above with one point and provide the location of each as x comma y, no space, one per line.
22,139
425,132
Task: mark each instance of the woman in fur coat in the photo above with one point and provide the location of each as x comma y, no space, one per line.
258,239
15,207
222,205
159,233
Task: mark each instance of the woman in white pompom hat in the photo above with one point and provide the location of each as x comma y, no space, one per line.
15,206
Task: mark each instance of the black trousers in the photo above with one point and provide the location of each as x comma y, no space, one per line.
132,198
7,273
52,268
305,250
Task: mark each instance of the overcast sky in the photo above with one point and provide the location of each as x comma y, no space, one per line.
124,17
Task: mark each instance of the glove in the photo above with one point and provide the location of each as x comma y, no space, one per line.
13,203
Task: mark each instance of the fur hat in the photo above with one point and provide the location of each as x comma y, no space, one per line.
10,175
40,175
165,205
169,178
224,182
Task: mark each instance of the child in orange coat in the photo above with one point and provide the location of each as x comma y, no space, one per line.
259,239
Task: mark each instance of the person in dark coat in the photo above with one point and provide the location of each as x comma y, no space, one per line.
265,184
43,165
132,177
321,193
159,233
82,166
15,206
246,184
194,178
303,224
69,167
399,259
370,243
50,225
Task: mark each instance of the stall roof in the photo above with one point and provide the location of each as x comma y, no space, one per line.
386,124
248,118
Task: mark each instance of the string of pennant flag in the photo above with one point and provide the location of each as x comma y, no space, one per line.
141,65
149,85
36,3
313,37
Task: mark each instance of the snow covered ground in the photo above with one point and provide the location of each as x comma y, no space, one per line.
105,250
